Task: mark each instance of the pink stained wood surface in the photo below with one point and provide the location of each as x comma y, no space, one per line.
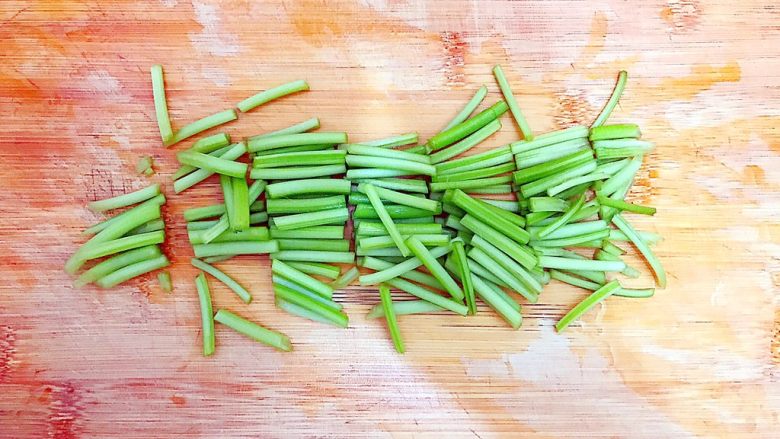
700,359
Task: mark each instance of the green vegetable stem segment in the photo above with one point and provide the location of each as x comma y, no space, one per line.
160,104
266,143
301,278
125,200
206,314
512,102
436,269
583,307
469,108
317,268
133,270
201,125
116,262
392,323
613,100
463,129
224,278
384,216
345,279
271,94
253,330
404,308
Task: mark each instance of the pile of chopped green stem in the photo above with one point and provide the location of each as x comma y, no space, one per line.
308,212
514,215
432,220
128,242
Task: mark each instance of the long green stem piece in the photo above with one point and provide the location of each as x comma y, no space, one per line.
429,296
492,157
615,131
583,307
405,308
469,108
365,173
130,271
125,200
316,268
436,269
206,314
277,206
315,256
398,184
490,171
287,283
240,204
213,164
211,143
300,127
234,286
613,100
311,186
628,207
400,269
393,141
384,216
652,259
397,212
105,248
301,278
464,273
235,248
506,276
293,173
305,158
116,262
402,198
271,94
316,232
506,90
463,129
300,311
551,138
563,219
580,264
392,323
253,330
201,125
160,104
193,178
394,164
386,241
284,140
491,296
486,215
467,143
516,270
378,151
519,253
124,216
367,228
310,219
335,316
413,275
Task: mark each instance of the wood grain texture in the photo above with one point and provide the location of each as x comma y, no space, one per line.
700,359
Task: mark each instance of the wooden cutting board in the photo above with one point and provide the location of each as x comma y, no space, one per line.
700,359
